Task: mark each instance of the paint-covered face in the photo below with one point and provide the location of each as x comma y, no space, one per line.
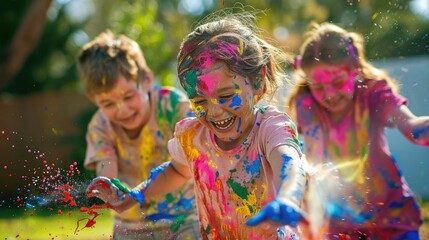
331,85
223,101
127,104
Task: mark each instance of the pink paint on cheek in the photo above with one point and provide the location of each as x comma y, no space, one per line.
321,76
349,86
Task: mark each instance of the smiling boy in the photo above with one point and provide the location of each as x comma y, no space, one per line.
128,135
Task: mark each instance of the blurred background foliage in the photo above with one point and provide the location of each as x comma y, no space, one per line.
40,39
392,28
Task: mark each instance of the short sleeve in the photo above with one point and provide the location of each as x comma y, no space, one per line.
181,137
176,151
279,130
384,100
100,147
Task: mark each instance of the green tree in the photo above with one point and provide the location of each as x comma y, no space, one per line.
49,64
138,20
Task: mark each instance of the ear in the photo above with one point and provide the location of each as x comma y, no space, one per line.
259,81
149,78
147,82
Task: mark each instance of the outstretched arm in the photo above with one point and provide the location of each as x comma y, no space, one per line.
170,179
416,129
162,180
290,178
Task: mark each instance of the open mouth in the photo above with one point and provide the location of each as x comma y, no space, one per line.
224,124
130,118
333,102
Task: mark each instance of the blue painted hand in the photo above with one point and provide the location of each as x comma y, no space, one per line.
278,212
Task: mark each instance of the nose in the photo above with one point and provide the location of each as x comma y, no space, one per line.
214,109
121,109
329,92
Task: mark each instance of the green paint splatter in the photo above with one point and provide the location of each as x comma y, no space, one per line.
257,84
169,197
178,222
190,83
237,188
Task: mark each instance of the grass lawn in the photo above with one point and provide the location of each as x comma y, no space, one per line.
54,226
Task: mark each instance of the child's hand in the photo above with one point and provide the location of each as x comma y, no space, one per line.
278,212
104,189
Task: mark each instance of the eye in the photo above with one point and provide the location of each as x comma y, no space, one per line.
199,101
227,96
107,105
129,96
338,83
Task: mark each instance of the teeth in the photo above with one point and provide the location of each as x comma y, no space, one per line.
220,124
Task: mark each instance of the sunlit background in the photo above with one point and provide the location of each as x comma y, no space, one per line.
44,112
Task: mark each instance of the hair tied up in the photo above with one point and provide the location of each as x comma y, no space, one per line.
297,62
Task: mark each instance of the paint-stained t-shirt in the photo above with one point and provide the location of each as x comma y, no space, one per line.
232,186
108,143
370,184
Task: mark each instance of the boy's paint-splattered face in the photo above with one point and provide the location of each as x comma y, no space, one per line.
331,85
127,104
222,101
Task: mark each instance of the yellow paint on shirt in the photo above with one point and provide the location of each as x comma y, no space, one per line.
146,151
251,205
186,142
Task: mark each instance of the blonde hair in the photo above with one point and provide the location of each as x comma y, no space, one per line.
233,39
330,44
103,60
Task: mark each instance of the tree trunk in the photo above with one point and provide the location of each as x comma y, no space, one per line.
24,41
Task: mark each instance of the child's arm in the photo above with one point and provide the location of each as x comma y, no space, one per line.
290,178
171,178
162,180
416,129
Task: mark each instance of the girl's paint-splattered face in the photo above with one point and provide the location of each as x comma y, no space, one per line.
127,104
331,85
222,101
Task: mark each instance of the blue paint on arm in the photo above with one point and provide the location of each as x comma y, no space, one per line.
286,160
138,194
